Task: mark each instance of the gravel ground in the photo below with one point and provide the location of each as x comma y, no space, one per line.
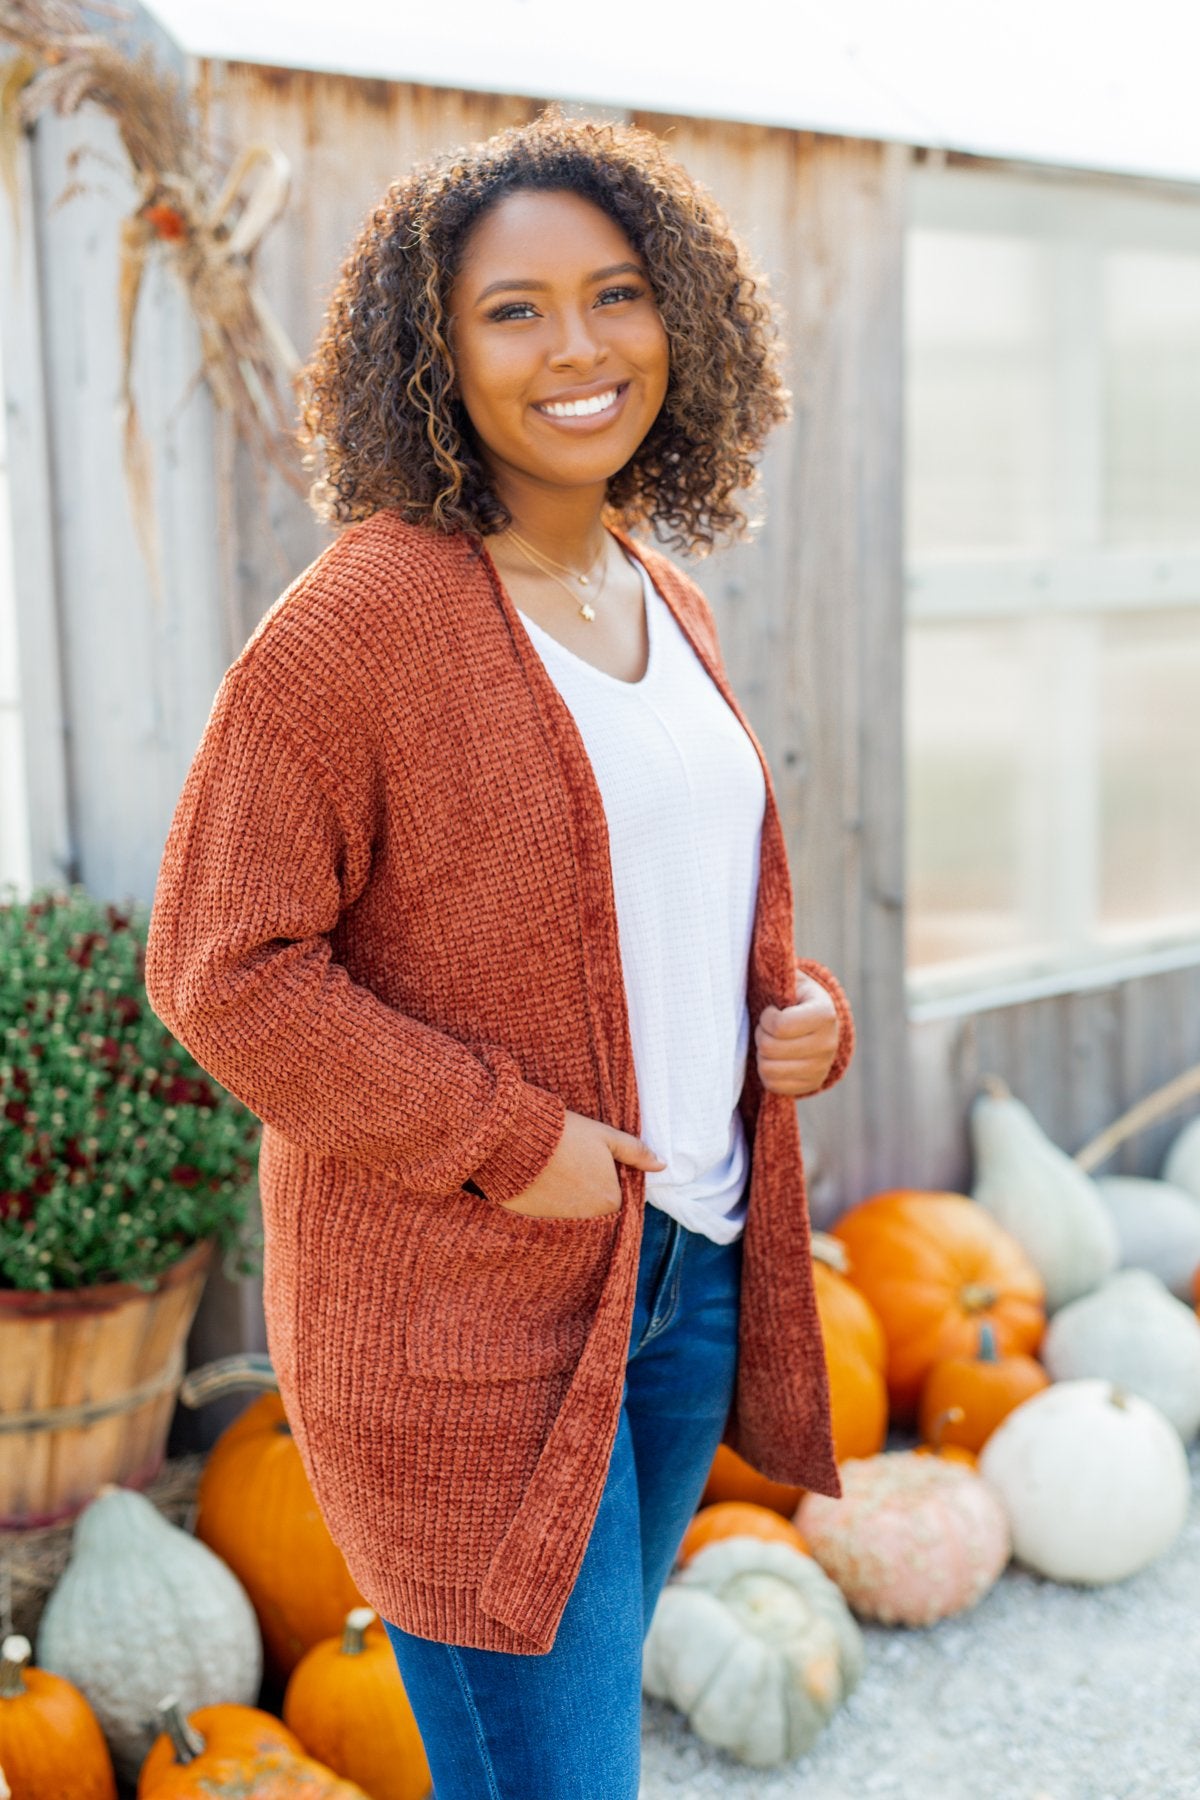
1041,1692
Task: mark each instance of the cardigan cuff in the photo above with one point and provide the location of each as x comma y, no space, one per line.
527,1147
845,1044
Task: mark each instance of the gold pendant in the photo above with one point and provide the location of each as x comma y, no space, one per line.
586,611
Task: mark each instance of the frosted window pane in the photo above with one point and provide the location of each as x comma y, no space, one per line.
979,372
1150,771
1151,398
971,784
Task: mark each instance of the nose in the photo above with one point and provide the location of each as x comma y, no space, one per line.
578,345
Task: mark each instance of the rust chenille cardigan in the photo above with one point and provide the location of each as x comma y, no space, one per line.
385,920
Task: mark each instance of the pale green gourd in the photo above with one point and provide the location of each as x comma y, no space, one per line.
1034,1189
1158,1225
1133,1332
755,1645
1182,1167
141,1610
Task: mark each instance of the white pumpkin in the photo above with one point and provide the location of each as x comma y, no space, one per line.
756,1646
1182,1167
1041,1196
143,1610
1158,1225
1095,1481
1133,1332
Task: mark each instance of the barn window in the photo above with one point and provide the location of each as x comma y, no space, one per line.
1052,552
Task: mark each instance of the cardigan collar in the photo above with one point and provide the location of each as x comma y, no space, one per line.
772,968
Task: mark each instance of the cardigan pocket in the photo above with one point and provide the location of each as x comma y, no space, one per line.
490,1294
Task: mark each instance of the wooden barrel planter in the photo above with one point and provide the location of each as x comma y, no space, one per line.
89,1378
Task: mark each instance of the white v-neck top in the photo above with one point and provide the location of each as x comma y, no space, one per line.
684,799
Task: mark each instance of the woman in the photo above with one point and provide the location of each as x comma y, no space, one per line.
475,892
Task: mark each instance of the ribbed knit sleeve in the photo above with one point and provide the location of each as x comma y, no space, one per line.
261,858
845,1048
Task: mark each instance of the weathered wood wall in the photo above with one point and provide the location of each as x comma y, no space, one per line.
811,610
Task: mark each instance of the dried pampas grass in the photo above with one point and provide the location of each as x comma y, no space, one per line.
209,240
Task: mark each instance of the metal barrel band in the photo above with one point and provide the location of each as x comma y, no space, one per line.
88,1412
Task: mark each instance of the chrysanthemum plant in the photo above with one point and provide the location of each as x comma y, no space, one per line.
117,1151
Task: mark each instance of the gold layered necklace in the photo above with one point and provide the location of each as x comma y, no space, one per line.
547,565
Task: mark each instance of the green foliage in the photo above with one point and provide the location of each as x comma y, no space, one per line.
117,1150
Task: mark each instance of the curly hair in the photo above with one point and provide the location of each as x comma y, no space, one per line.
381,418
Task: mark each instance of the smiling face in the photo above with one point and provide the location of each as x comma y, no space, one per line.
561,355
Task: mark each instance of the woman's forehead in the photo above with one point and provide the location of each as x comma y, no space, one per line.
551,235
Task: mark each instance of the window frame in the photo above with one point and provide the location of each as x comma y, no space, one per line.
1077,219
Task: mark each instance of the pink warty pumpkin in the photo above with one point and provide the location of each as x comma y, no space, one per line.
913,1538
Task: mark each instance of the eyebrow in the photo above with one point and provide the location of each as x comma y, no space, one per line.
514,285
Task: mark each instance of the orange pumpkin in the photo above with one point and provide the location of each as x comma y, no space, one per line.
224,1731
50,1739
346,1703
855,1353
981,1390
210,1756
732,1478
736,1518
933,1266
256,1510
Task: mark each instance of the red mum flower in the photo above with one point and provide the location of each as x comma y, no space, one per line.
73,1156
82,952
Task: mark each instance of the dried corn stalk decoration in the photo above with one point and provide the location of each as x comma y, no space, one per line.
247,359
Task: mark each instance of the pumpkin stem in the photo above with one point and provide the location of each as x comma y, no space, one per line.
953,1415
356,1624
1118,1397
997,1087
187,1741
830,1251
977,1296
15,1652
987,1342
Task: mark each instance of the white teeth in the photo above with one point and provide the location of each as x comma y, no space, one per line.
578,409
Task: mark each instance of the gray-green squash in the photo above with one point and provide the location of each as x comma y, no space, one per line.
755,1645
141,1610
1041,1196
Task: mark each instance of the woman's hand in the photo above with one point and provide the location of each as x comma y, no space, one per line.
581,1181
795,1045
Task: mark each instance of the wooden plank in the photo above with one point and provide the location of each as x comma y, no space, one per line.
138,674
1077,1061
41,721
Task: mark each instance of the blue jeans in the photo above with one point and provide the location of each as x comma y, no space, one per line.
567,1725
